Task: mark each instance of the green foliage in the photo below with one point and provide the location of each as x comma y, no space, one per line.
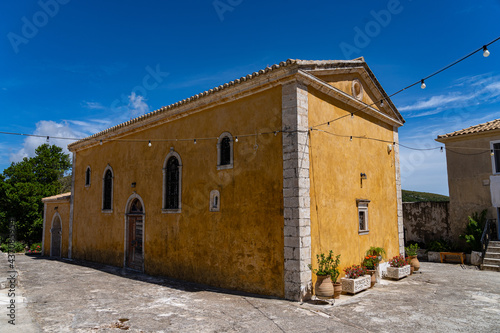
474,230
327,265
376,251
412,250
7,246
414,196
24,184
439,246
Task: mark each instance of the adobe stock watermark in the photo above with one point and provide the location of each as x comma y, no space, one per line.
150,81
12,275
223,6
363,36
30,28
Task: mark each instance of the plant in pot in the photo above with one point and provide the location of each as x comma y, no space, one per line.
327,269
355,279
376,251
411,252
398,268
370,263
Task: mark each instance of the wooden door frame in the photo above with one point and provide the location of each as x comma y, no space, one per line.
126,231
56,215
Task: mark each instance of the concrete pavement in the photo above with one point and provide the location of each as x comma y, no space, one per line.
69,296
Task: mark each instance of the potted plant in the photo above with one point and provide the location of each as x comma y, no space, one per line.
376,251
355,279
411,252
370,263
472,236
398,268
327,268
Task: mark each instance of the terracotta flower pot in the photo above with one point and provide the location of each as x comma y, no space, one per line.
323,287
337,290
414,263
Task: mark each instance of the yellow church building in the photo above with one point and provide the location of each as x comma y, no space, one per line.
242,185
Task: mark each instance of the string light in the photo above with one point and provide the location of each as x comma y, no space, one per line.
486,53
441,149
149,143
423,84
492,153
194,141
350,138
352,115
381,103
236,139
100,142
48,138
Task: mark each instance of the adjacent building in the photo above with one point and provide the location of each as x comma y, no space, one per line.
473,162
242,185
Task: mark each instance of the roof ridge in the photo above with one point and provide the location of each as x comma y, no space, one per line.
288,62
483,127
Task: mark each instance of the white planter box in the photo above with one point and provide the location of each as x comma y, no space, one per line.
476,258
398,272
353,286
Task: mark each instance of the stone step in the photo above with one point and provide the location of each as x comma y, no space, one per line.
495,242
490,268
492,255
493,249
489,261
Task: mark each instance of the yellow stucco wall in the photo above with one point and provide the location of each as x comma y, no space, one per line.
240,247
335,167
466,173
63,208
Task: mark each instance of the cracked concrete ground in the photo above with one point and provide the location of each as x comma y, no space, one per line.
70,296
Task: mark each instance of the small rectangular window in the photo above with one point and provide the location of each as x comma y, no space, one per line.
362,216
496,157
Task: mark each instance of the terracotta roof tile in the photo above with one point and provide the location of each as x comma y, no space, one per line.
489,126
58,197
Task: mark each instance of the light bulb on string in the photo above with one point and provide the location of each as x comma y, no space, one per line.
381,103
423,85
486,53
48,138
441,149
236,139
100,142
492,153
149,143
194,141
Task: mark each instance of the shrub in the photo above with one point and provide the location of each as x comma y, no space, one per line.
474,230
439,246
354,271
398,261
7,246
327,265
412,250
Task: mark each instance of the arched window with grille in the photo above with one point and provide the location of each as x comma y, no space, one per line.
107,189
172,181
225,151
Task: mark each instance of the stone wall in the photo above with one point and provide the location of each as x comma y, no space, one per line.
426,221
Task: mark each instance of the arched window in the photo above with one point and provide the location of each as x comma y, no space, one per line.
107,189
225,151
172,180
87,176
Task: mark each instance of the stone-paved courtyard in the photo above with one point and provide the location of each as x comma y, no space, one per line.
65,296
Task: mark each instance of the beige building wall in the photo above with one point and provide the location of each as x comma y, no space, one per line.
469,165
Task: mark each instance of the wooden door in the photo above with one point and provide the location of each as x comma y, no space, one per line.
55,244
134,246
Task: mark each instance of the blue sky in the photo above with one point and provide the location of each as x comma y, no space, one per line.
71,68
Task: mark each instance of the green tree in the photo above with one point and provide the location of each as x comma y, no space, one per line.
24,184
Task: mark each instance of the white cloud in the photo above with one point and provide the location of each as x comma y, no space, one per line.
137,106
47,128
468,91
93,105
79,129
